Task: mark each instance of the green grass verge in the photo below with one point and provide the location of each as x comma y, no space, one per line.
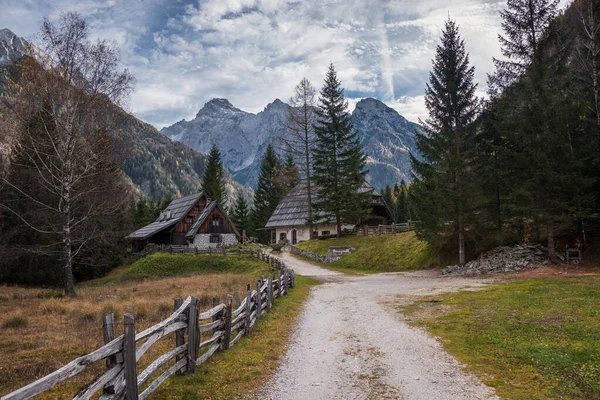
160,265
532,339
240,371
385,253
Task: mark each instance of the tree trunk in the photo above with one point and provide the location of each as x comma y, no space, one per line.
551,246
338,223
461,241
68,266
308,184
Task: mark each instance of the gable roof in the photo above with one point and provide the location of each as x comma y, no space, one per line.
171,215
293,209
204,215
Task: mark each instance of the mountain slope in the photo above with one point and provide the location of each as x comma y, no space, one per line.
12,47
386,136
154,164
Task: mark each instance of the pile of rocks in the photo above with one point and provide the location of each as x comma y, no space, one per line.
502,259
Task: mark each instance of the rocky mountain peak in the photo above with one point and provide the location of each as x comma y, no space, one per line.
275,105
386,136
218,105
12,47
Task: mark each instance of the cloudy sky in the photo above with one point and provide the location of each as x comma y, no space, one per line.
185,52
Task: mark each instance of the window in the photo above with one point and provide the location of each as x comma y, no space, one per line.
216,220
215,239
325,233
189,220
282,236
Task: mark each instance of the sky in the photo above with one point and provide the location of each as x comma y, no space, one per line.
185,52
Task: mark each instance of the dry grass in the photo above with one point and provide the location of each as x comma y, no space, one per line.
41,330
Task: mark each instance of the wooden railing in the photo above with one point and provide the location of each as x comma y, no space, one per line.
383,229
122,354
178,249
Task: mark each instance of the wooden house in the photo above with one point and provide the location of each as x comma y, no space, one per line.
289,221
195,221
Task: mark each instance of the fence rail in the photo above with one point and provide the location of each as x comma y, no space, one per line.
383,229
167,248
122,354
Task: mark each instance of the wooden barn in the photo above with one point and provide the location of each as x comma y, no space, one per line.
289,221
195,221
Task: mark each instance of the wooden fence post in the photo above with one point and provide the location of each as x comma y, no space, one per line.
258,299
227,316
179,336
270,292
281,273
238,301
108,331
248,310
131,388
193,337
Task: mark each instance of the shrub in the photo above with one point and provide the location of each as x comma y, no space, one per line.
276,246
15,322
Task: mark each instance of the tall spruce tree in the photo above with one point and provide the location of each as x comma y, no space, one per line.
338,160
241,215
401,205
441,182
524,23
268,194
213,183
290,173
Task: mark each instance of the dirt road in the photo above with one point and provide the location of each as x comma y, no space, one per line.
351,344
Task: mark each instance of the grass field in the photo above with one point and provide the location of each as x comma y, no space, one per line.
385,253
531,339
240,371
41,330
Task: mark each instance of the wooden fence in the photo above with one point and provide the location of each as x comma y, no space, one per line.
174,249
383,229
224,324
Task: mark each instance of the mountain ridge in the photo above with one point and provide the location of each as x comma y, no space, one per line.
387,137
153,164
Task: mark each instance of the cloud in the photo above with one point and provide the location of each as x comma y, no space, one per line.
185,52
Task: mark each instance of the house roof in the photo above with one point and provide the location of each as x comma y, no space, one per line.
171,215
293,209
204,215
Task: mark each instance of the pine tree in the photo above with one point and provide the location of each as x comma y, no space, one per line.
524,23
213,183
401,204
269,192
390,201
241,215
165,200
290,173
338,160
441,183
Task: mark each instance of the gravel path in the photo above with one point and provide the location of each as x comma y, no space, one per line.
350,344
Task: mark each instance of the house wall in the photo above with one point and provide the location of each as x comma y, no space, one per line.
186,223
303,232
226,226
202,241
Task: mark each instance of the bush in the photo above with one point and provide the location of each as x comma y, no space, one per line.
277,246
15,322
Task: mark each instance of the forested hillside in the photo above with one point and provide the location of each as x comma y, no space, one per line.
524,165
154,164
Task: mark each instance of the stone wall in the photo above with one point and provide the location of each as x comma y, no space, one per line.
334,253
202,241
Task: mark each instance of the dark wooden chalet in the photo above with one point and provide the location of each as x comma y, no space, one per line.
183,220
